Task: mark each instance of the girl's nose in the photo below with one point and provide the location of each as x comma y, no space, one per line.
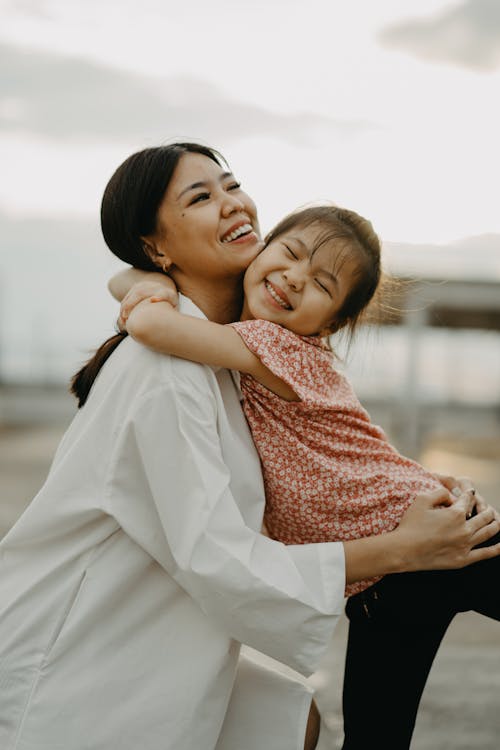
293,279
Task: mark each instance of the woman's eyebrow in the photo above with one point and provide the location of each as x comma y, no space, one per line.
203,183
194,186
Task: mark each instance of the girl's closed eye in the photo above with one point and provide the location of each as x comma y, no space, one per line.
290,251
323,287
234,186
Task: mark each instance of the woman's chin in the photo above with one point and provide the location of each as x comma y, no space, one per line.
242,255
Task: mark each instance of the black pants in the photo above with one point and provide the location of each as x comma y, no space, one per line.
395,630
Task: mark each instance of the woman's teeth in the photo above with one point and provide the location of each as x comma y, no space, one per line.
276,297
244,229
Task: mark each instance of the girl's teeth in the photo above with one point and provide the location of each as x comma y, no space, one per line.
276,296
244,229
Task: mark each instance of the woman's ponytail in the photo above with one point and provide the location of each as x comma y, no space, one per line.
82,381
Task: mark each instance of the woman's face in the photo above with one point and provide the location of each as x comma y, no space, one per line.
207,226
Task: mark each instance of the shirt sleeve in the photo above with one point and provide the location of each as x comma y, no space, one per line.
281,600
301,362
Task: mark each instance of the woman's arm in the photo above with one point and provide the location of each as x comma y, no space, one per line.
283,601
160,327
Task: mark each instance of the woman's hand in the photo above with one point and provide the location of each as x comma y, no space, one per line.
438,532
157,290
459,485
433,534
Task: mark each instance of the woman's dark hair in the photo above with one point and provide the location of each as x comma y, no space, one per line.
129,211
357,236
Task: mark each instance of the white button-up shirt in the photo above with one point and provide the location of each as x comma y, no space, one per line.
129,582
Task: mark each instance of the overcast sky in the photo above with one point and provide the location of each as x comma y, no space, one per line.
388,107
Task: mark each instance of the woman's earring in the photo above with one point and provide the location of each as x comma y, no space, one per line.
158,258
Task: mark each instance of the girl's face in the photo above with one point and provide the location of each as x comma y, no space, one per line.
300,290
207,226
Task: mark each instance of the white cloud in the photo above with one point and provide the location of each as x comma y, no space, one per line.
467,34
70,98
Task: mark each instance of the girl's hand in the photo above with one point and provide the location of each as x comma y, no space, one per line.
157,291
436,532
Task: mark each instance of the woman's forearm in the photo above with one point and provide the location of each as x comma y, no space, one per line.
373,556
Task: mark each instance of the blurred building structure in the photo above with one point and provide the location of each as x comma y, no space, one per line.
457,305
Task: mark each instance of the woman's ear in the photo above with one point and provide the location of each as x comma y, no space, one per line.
157,255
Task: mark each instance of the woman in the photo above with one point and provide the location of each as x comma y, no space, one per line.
128,583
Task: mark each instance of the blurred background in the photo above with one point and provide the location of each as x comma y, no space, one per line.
387,108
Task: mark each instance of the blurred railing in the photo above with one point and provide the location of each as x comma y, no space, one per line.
457,305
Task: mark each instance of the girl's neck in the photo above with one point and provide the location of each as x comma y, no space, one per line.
220,300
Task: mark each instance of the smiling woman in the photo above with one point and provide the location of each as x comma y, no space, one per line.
131,579
174,209
203,209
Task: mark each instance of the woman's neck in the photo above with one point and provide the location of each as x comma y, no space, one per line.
220,300
245,311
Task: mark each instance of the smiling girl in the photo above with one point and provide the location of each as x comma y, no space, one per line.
329,473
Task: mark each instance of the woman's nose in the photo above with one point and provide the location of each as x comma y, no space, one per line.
231,204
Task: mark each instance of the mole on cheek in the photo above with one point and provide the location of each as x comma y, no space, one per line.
182,215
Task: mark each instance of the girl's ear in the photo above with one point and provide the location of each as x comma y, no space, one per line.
329,330
156,254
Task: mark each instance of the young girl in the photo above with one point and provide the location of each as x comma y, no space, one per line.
329,473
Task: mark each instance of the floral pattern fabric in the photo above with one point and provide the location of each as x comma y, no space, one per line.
329,473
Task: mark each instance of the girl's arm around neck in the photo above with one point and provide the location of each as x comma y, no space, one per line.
162,328
121,283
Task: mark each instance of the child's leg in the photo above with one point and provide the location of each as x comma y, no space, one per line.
395,630
481,585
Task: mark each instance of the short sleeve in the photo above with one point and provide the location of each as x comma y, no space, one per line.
303,362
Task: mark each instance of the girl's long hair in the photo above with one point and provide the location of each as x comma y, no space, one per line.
129,211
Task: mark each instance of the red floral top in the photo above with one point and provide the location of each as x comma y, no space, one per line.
329,473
